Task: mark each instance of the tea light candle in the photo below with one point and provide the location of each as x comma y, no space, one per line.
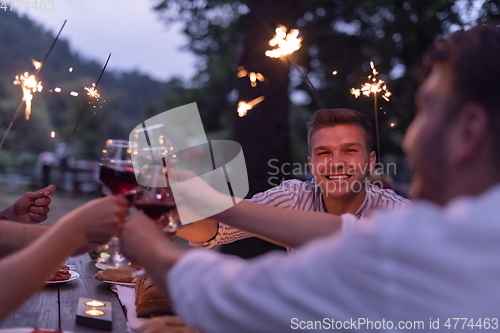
94,312
94,303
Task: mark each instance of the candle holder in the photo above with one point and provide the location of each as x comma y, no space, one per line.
94,313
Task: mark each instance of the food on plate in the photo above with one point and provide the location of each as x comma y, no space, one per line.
149,301
62,274
170,324
123,275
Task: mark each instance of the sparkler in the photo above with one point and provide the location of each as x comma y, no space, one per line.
374,86
252,76
29,85
92,89
287,44
244,107
40,66
92,92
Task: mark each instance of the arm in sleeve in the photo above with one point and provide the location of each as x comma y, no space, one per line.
277,196
273,293
225,235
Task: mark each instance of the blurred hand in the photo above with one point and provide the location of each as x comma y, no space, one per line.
99,219
140,237
32,207
196,199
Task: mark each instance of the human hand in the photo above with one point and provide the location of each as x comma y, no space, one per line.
195,198
140,237
98,220
31,207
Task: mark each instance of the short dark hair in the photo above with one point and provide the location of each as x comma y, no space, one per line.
333,117
472,58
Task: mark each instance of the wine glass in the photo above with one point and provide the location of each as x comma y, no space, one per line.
118,175
156,200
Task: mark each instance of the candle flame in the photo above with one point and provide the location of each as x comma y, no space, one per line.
373,86
244,107
94,312
286,43
95,303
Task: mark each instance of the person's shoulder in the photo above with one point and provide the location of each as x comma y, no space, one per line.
384,196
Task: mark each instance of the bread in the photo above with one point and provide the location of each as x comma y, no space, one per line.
149,301
166,324
116,275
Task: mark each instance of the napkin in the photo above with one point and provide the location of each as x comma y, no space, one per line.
127,298
134,324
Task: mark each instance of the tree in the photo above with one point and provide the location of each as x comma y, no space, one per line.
338,35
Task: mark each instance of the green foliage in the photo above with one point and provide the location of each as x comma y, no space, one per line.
338,35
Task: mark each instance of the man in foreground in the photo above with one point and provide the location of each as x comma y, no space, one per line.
417,268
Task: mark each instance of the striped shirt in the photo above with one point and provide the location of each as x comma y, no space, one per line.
299,195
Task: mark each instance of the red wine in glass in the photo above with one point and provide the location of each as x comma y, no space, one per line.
154,210
120,180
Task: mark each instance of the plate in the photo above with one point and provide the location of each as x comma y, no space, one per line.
22,330
125,284
103,266
74,276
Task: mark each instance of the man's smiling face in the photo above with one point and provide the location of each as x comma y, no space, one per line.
340,159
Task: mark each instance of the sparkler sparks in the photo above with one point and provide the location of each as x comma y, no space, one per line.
92,92
36,64
36,75
29,85
252,76
53,134
244,107
286,43
373,86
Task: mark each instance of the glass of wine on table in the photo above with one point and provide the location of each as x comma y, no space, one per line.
118,175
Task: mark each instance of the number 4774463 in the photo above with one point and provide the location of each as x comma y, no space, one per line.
41,5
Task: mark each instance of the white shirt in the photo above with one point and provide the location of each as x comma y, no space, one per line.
421,263
299,195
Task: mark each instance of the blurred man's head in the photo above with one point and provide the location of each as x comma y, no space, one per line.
454,140
340,151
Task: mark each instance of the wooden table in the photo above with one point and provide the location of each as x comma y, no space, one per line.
58,302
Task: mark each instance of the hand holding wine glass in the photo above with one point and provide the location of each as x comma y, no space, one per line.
157,200
118,175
